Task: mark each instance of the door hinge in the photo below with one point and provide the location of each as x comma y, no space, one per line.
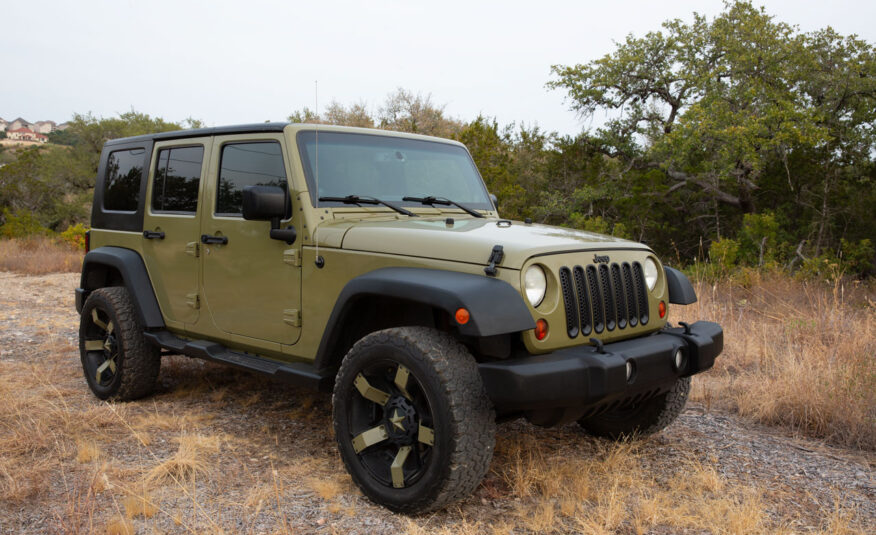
193,249
292,257
292,316
193,301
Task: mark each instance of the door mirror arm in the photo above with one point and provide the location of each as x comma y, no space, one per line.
287,234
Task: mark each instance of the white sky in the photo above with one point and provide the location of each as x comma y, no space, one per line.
229,62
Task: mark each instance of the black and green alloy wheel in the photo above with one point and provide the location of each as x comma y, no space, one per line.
412,419
117,360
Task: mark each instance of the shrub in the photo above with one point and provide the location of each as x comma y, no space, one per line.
20,224
724,253
758,239
75,236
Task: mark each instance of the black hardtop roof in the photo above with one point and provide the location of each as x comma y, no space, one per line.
200,132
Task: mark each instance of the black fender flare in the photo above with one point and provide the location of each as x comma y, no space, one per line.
134,276
681,291
495,307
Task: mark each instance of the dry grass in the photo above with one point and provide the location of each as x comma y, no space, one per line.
139,505
218,450
39,255
797,354
614,490
191,459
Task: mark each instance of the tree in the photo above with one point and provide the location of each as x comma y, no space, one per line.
337,114
406,112
738,114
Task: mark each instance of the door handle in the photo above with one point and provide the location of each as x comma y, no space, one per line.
153,235
215,240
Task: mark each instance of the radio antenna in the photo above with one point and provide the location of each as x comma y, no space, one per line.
316,164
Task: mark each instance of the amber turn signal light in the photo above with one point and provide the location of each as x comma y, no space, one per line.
661,308
541,329
462,316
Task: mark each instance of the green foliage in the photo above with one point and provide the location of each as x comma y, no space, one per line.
738,126
493,157
758,239
724,253
63,137
19,224
858,256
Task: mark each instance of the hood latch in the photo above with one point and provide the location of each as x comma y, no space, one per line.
495,258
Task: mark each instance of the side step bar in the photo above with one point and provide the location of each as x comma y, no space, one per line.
297,373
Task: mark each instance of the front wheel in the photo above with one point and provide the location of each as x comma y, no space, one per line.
642,419
413,422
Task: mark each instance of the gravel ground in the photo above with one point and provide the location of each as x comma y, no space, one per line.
274,467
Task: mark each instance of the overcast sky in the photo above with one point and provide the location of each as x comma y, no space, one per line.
228,62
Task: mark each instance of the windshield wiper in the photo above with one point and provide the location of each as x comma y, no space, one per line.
430,200
355,199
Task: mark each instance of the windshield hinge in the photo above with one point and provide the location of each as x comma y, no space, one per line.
495,258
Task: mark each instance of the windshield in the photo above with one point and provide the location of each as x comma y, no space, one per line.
389,168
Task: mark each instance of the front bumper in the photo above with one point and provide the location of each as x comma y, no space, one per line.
583,377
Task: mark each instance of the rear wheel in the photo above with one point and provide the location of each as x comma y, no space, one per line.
413,423
642,419
118,362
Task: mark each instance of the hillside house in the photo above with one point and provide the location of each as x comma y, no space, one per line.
26,134
3,124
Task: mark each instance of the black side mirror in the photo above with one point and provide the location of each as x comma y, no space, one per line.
495,200
263,203
268,203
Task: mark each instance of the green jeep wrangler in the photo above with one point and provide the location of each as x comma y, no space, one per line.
375,265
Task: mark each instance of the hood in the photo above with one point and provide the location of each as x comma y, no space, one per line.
467,240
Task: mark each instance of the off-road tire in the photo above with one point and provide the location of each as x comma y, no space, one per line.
461,415
137,362
643,419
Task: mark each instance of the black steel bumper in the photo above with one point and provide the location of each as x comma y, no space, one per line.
582,376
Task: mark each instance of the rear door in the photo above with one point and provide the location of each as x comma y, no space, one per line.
171,227
251,283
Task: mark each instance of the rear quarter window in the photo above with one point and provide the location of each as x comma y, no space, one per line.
124,170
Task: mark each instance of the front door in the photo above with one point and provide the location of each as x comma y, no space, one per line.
252,286
171,227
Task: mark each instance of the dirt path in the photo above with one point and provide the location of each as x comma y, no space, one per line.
217,450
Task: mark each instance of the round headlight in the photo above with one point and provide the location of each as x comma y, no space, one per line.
534,284
650,273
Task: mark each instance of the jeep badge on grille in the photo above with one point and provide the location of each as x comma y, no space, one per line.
600,259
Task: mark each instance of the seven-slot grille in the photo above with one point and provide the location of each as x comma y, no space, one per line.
606,297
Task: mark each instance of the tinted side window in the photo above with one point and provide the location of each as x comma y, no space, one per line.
177,175
247,164
124,169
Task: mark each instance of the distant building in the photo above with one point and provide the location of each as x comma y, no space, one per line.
26,134
3,124
19,124
44,127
